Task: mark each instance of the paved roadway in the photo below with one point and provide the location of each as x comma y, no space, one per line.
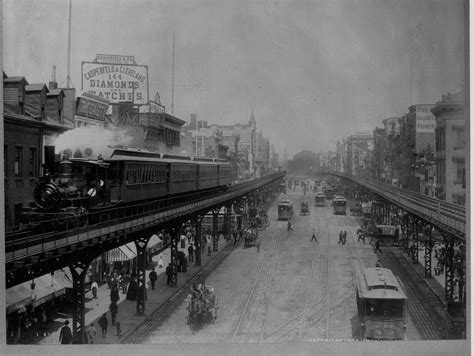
294,290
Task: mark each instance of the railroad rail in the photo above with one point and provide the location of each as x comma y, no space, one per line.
446,216
18,249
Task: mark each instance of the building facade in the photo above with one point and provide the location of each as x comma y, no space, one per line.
450,154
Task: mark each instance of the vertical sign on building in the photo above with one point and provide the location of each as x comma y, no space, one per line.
425,120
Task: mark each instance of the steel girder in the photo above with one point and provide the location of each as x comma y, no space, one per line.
449,281
428,250
215,229
141,244
197,238
174,257
78,272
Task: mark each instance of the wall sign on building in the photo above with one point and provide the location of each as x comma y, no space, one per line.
116,78
425,120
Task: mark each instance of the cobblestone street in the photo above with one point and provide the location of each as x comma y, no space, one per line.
294,290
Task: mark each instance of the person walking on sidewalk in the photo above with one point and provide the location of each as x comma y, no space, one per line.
104,323
160,261
377,246
314,237
91,332
113,311
153,277
257,243
65,336
191,252
94,289
341,238
114,293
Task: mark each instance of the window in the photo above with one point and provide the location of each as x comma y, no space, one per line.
18,161
459,141
459,171
33,161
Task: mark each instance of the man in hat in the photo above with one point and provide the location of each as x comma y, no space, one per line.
65,336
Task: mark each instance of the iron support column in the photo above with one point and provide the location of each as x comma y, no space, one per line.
215,229
449,278
141,244
197,238
174,257
415,241
428,249
228,220
78,271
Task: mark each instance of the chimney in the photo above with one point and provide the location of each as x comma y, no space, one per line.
52,83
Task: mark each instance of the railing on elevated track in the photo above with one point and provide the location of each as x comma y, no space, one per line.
449,215
22,247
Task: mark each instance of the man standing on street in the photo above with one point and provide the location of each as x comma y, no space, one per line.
377,246
314,237
94,288
65,336
153,277
104,323
113,311
257,243
91,333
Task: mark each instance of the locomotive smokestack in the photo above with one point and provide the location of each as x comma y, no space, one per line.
49,159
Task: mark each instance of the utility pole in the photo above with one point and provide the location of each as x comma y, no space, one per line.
68,79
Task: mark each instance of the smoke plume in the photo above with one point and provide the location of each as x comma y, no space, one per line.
96,138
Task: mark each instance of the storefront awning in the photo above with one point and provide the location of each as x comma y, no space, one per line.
154,244
123,253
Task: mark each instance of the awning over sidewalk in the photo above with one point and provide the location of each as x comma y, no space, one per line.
154,244
20,296
123,253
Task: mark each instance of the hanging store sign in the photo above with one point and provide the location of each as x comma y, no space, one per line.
116,82
425,120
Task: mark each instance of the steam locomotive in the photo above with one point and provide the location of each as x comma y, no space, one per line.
86,183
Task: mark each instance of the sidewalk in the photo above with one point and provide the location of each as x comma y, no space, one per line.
436,283
126,316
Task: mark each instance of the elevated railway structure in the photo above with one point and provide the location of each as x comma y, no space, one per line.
421,217
31,255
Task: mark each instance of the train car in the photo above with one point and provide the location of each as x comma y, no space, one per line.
285,210
339,205
182,174
319,199
136,175
208,173
381,305
224,172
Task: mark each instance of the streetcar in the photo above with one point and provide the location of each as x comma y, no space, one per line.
328,192
285,210
319,199
339,205
381,305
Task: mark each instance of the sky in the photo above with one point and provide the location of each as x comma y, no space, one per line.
312,71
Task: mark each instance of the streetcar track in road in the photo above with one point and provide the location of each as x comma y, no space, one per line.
308,290
261,272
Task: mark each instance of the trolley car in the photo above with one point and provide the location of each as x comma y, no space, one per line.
339,205
285,210
381,305
320,199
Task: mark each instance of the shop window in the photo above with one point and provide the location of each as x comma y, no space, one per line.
18,161
33,162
